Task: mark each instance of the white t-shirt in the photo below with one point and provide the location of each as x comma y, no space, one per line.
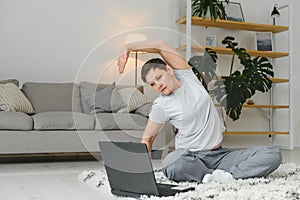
191,110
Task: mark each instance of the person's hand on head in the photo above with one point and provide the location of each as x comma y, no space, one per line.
122,60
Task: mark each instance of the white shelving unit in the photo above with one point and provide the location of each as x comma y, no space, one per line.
189,21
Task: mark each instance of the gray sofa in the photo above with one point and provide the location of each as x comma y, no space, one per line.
63,121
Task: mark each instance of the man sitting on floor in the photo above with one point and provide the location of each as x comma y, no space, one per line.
184,102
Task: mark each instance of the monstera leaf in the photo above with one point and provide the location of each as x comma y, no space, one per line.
205,66
257,73
233,93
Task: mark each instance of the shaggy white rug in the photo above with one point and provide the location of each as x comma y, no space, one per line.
284,183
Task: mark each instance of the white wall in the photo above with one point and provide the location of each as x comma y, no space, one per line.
47,40
74,40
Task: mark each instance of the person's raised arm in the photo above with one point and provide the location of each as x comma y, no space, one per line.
169,54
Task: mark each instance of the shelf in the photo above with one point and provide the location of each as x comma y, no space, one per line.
274,80
247,26
261,106
228,51
254,133
279,80
264,106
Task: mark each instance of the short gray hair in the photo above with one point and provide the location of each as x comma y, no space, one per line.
155,63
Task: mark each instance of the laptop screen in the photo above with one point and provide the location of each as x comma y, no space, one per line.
128,167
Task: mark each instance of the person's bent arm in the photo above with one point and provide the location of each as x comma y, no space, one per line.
150,134
169,54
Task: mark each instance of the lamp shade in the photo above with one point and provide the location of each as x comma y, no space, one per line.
275,13
135,37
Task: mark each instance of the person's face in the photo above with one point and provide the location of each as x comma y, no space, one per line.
161,81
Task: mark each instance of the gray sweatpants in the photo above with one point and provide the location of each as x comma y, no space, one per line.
184,165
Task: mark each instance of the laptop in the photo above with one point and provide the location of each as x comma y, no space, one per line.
130,173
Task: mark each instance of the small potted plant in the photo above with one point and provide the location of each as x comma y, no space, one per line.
215,7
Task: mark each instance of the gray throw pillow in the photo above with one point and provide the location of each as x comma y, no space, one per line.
105,100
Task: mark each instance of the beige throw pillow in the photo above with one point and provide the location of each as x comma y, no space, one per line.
12,99
133,99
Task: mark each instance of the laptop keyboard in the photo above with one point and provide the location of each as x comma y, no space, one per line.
165,190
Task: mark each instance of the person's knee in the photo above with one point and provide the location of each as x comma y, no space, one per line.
176,165
274,156
277,156
171,169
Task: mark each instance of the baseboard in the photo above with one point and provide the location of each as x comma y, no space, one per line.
49,157
60,157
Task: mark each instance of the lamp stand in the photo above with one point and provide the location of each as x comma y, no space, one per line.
135,68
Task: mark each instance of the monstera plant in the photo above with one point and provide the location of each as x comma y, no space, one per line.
215,7
232,91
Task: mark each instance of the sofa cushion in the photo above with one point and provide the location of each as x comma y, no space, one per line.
46,97
105,100
12,99
88,89
63,120
133,99
120,121
15,121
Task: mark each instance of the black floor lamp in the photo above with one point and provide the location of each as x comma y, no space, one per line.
136,37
